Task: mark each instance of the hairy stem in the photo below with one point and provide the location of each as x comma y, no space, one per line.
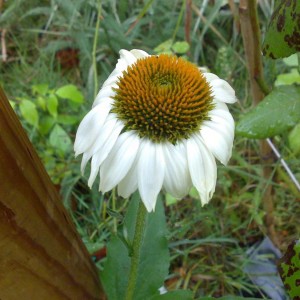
140,227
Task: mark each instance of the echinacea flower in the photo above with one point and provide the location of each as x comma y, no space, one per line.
158,122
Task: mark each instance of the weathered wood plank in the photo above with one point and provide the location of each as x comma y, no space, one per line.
41,254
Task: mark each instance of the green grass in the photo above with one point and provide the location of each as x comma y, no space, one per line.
208,244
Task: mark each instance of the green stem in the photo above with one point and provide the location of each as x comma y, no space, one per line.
136,249
95,49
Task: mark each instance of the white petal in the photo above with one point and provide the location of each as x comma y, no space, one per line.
210,76
129,184
85,158
151,171
203,168
222,91
139,53
112,79
128,57
104,93
90,127
119,161
177,180
218,135
105,147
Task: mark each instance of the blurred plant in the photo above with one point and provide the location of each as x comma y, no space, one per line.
49,114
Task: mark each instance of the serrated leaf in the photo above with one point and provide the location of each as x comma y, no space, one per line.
60,140
70,92
282,36
175,295
154,260
289,269
29,112
52,104
181,47
278,112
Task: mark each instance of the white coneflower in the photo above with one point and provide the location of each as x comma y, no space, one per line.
157,123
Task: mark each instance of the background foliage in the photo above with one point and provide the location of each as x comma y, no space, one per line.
51,56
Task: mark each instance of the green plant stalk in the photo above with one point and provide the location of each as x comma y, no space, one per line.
113,194
180,17
94,60
140,227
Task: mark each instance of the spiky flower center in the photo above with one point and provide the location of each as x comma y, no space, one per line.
163,97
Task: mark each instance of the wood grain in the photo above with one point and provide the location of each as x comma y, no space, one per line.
41,254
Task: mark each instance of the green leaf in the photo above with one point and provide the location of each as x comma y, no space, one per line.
288,78
181,47
154,260
60,140
41,102
45,124
40,89
52,104
175,295
289,269
67,120
12,104
164,47
282,36
29,112
278,112
70,92
294,139
291,61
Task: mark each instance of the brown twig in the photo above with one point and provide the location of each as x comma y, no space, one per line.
252,45
188,17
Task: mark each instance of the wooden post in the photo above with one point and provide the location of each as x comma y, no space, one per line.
41,254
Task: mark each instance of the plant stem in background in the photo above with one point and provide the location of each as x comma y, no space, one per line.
179,19
95,48
252,45
136,249
188,18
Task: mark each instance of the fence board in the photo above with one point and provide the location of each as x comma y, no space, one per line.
41,254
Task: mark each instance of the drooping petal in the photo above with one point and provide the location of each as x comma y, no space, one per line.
102,153
129,184
91,124
218,135
177,180
119,161
151,172
202,167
